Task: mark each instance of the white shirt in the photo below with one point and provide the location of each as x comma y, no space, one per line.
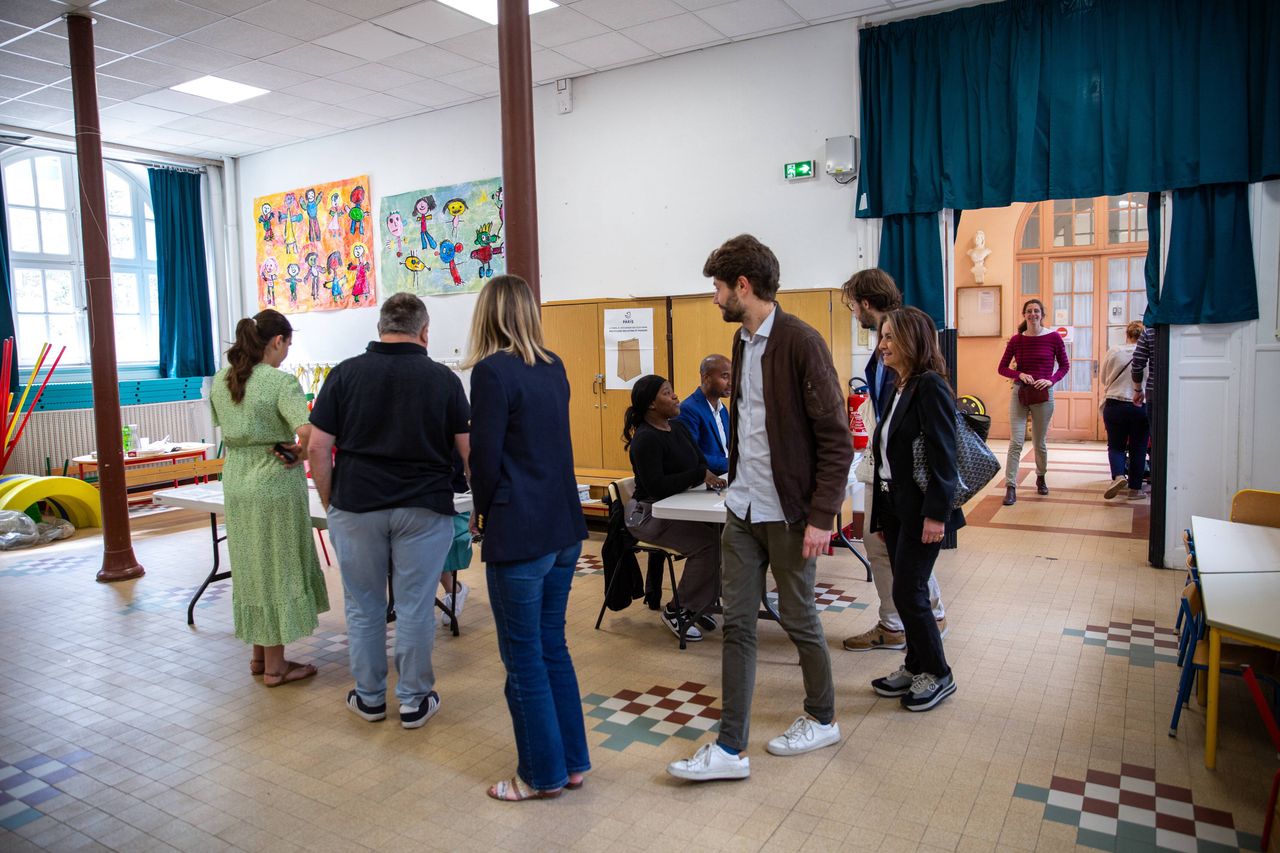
886,474
715,418
752,490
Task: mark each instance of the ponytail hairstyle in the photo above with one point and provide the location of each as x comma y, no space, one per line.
252,336
1022,327
643,393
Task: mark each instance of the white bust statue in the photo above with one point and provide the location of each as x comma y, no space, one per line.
978,254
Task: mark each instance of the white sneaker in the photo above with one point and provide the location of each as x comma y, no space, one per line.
805,735
711,762
462,591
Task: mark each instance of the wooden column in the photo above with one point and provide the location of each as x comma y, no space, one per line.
118,561
520,189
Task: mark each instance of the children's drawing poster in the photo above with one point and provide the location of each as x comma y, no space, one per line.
315,247
442,240
628,346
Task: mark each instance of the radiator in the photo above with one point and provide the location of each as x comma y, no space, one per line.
63,434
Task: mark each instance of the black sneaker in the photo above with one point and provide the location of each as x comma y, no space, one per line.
897,684
691,632
413,718
707,622
928,690
372,713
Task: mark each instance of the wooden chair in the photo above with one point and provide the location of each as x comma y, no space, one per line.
623,490
1255,506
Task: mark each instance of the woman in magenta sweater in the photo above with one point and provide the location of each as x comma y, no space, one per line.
1035,351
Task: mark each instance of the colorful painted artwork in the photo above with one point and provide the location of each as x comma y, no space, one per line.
442,240
315,247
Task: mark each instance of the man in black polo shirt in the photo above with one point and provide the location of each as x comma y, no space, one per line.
395,417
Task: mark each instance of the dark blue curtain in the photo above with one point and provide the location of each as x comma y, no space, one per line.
910,251
7,326
1209,277
186,330
1152,270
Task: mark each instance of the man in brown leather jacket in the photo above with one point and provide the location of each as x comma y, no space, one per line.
789,457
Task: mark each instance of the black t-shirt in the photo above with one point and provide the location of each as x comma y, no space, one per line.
665,463
394,413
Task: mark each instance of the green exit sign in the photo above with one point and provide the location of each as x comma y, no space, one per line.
797,171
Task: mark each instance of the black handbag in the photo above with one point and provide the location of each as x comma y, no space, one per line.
976,465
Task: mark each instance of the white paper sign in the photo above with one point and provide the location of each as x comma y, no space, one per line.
628,346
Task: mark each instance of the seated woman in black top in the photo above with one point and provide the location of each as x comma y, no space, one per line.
666,461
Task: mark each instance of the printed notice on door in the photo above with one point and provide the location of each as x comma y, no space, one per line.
628,346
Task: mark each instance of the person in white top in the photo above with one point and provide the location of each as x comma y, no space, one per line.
1126,422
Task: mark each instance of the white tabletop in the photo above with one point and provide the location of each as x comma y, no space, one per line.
1243,603
207,497
697,504
172,449
1232,547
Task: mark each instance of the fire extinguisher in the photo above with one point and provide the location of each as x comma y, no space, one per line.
858,429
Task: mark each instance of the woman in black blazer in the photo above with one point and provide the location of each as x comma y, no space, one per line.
526,506
912,522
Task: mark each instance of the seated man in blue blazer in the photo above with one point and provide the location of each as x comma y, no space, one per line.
706,418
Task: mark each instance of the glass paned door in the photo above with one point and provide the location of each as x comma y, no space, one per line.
1074,304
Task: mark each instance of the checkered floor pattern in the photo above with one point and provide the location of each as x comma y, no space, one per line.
1133,811
828,597
1142,641
176,598
654,715
27,783
48,565
588,564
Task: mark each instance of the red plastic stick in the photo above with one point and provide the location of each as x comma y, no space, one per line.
9,450
4,385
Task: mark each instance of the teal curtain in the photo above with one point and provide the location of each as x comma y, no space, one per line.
7,325
1209,276
186,329
911,252
1152,270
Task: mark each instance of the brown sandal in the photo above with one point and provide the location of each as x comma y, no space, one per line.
504,789
293,672
572,785
257,666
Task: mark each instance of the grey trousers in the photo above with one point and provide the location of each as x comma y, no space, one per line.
1041,415
882,575
695,539
750,551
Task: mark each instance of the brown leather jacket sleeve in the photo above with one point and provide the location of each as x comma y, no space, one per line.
824,406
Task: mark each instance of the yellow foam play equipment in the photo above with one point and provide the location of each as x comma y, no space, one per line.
79,499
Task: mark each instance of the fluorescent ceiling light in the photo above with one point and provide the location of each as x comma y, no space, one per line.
218,89
487,10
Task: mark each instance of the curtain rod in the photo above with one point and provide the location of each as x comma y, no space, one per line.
148,156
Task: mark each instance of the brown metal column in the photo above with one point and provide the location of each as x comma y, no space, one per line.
519,183
118,561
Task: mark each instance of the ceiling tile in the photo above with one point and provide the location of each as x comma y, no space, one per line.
54,48
312,60
695,5
369,9
298,18
481,45
192,56
218,147
243,39
52,96
677,33
369,41
29,13
429,61
388,106
330,91
170,136
245,115
431,93
627,13
562,25
146,71
549,65
226,7
178,102
481,80
820,10
748,17
260,137
285,104
114,87
167,16
604,51
10,31
34,113
141,114
12,87
266,76
301,126
430,22
378,76
201,125
125,38
35,70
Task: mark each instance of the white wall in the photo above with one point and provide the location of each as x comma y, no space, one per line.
656,165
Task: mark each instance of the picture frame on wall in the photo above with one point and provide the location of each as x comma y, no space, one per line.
980,311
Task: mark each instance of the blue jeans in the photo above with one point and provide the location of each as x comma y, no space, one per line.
529,600
1127,430
413,541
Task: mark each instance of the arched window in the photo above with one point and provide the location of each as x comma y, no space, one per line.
47,265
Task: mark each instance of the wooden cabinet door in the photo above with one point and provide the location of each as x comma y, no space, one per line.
823,310
698,330
572,331
614,404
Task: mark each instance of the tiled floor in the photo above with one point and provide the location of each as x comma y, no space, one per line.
122,728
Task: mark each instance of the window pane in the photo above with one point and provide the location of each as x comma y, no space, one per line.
28,289
1031,279
1116,304
146,209
119,199
32,333
131,342
1117,274
1115,336
1061,311
1080,378
1062,277
1062,228
17,183
49,180
1137,304
153,303
1084,277
1082,309
24,234
59,295
1031,234
64,331
1084,227
1142,223
54,232
151,239
121,236
124,292
1138,273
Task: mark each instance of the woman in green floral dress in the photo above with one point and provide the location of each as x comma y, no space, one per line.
277,589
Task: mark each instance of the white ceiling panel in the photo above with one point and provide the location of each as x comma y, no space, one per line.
170,136
167,16
429,61
606,50
192,56
818,10
243,39
10,31
674,34
40,114
368,41
178,102
332,91
114,87
227,147
617,14
53,48
52,96
226,7
299,18
264,75
301,126
431,93
312,59
141,113
35,70
146,71
377,76
245,115
562,25
749,17
481,45
12,87
125,38
430,22
549,65
30,13
388,106
695,5
201,125
481,80
368,9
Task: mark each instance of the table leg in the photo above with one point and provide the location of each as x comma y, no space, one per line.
1211,718
844,540
214,574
